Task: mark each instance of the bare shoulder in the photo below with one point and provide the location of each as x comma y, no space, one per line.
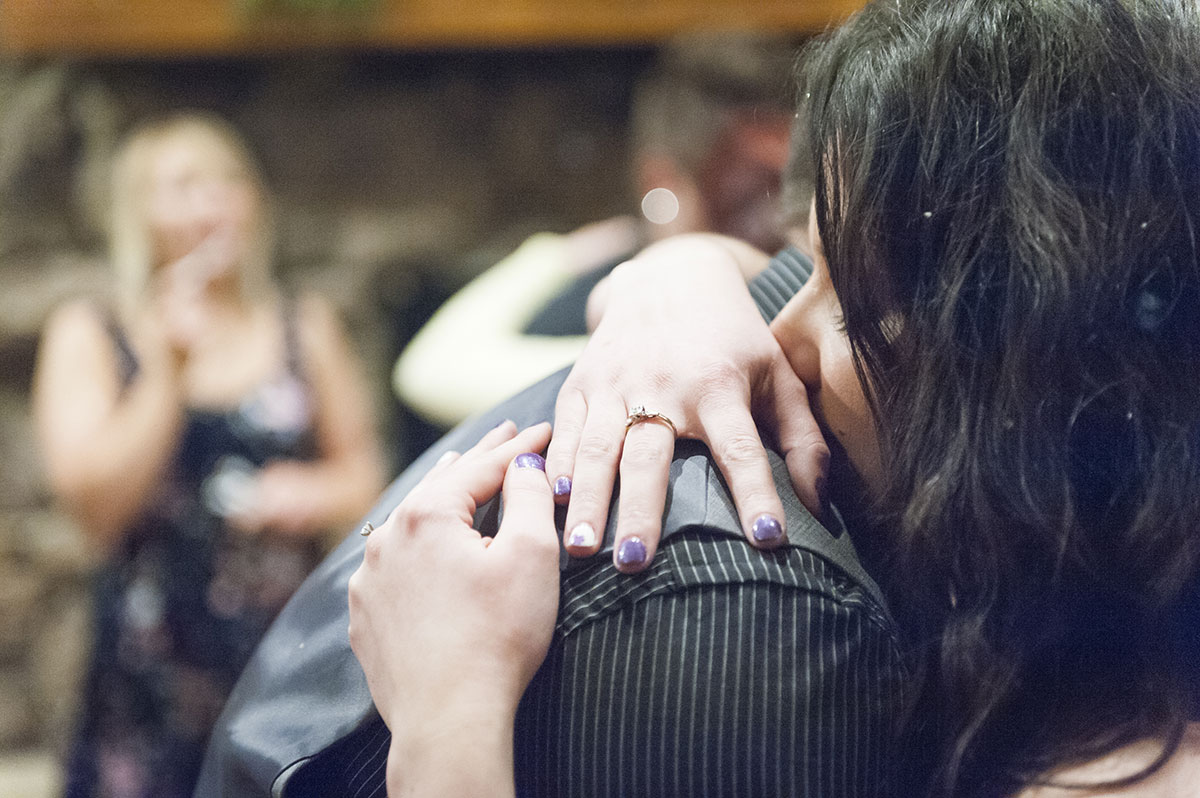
77,365
1178,778
76,319
76,332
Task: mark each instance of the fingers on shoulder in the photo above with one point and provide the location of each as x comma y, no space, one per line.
570,413
801,440
595,465
645,472
738,450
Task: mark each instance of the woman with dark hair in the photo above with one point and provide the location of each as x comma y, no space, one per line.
1000,339
1008,211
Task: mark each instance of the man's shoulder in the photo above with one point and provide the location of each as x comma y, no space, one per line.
720,670
303,689
697,561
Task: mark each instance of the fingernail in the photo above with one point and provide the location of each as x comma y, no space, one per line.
562,486
631,552
766,529
531,460
583,536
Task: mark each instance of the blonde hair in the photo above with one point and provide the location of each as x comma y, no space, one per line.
131,242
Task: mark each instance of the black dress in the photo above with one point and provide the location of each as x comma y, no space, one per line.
185,598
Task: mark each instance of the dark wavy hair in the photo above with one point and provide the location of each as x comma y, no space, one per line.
1007,194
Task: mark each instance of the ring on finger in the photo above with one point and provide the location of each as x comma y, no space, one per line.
639,413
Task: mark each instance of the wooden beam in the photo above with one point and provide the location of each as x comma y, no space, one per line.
166,28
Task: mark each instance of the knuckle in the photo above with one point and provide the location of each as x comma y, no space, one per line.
813,442
642,452
662,383
417,507
723,377
571,396
739,448
354,588
372,552
821,450
567,422
596,448
419,515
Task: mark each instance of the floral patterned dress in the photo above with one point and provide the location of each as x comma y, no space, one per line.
185,598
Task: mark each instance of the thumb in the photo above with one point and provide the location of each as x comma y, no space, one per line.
527,530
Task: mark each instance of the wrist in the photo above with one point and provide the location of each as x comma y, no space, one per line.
162,357
458,751
719,254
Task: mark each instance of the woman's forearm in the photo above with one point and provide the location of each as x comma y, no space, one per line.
310,498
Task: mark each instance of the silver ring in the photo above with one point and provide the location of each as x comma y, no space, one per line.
367,529
638,414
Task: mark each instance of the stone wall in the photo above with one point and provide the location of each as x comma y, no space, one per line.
397,177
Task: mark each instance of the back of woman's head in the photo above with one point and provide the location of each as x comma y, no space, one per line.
1008,196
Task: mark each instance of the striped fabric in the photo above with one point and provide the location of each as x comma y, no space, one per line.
720,671
780,281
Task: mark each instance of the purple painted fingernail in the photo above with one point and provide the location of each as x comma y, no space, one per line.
631,552
766,529
531,460
562,486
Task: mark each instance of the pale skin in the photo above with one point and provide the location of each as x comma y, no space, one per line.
1179,777
429,709
736,381
483,608
479,619
199,343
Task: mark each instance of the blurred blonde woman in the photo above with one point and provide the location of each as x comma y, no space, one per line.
207,432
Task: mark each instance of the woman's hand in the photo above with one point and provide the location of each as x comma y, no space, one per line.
182,287
450,626
680,336
312,498
284,498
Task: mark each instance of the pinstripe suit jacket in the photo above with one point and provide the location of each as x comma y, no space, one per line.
719,671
